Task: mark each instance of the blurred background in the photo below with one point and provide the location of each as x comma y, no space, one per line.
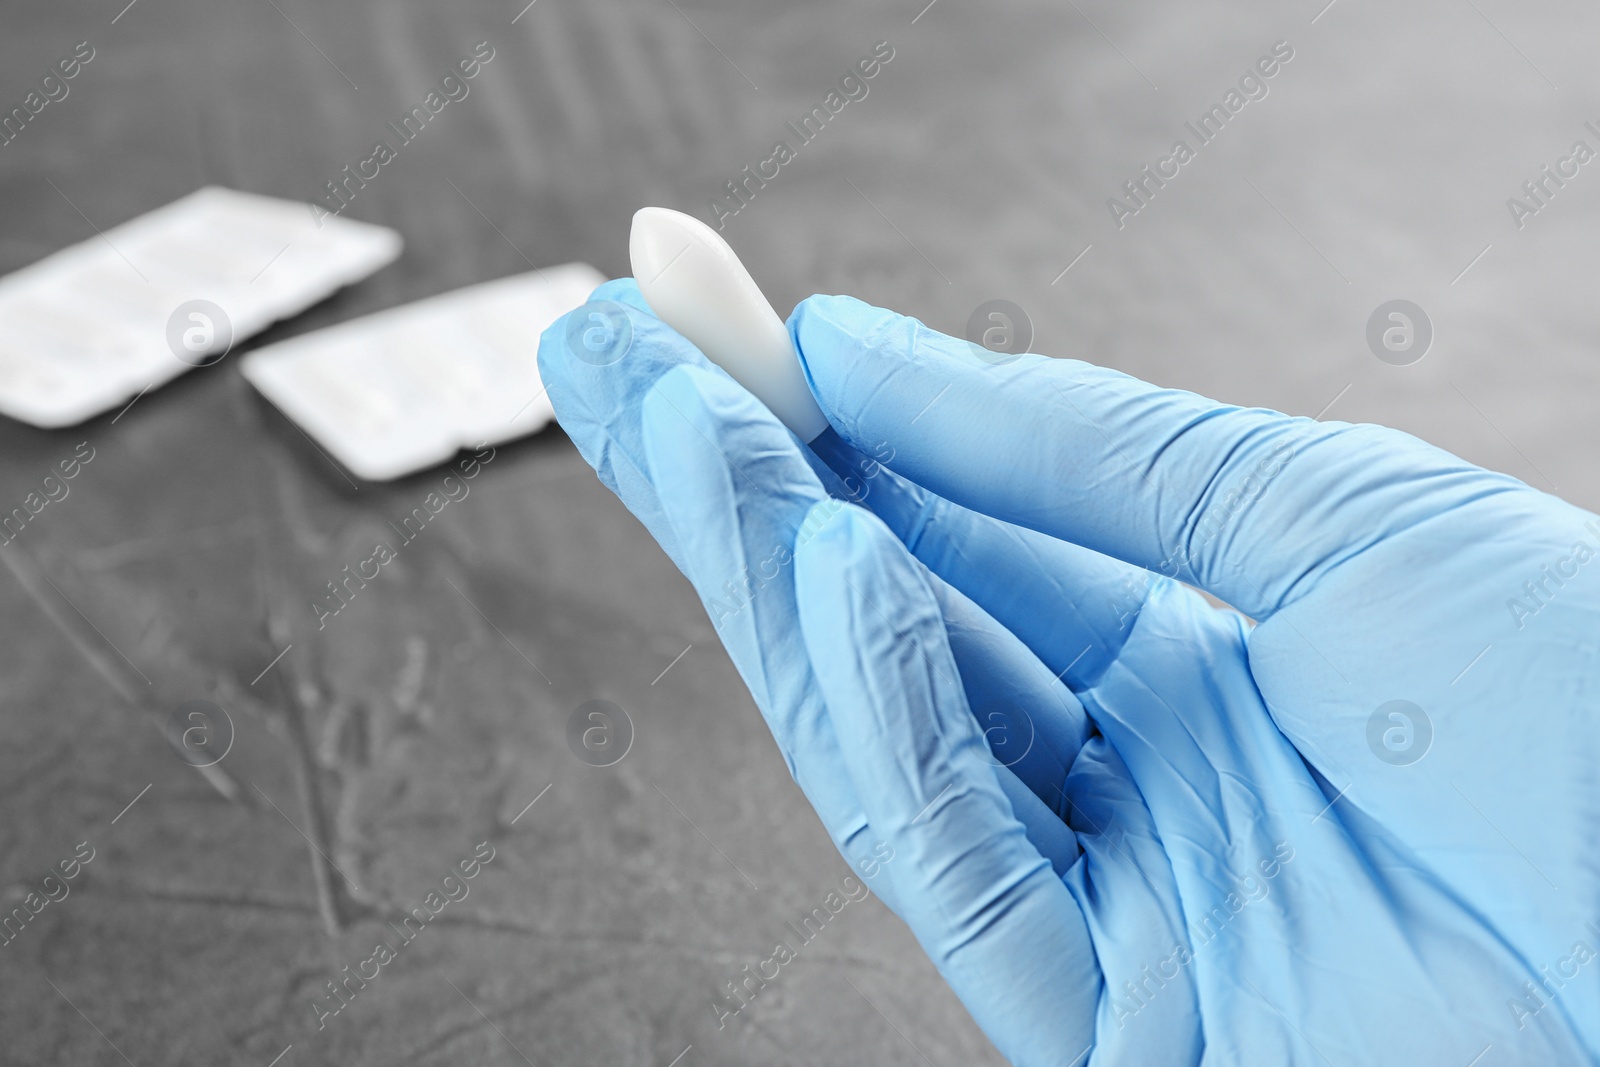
371,757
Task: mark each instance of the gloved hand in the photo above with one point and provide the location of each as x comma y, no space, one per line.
1129,827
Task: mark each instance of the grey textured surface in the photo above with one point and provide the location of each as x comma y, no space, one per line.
435,708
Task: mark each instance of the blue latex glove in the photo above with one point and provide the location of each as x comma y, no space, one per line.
1128,827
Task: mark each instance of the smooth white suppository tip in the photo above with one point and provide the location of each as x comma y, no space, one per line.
695,283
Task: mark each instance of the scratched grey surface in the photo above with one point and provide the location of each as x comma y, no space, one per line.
434,708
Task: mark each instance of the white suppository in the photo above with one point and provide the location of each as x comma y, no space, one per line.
695,283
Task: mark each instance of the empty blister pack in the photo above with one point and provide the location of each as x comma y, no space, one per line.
404,389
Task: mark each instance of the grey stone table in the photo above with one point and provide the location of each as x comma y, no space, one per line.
427,724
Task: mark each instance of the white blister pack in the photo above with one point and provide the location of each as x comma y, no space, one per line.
95,325
405,389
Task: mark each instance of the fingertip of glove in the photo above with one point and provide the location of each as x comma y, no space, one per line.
598,360
555,343
701,394
829,533
623,291
841,546
823,326
847,348
674,403
691,407
555,357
